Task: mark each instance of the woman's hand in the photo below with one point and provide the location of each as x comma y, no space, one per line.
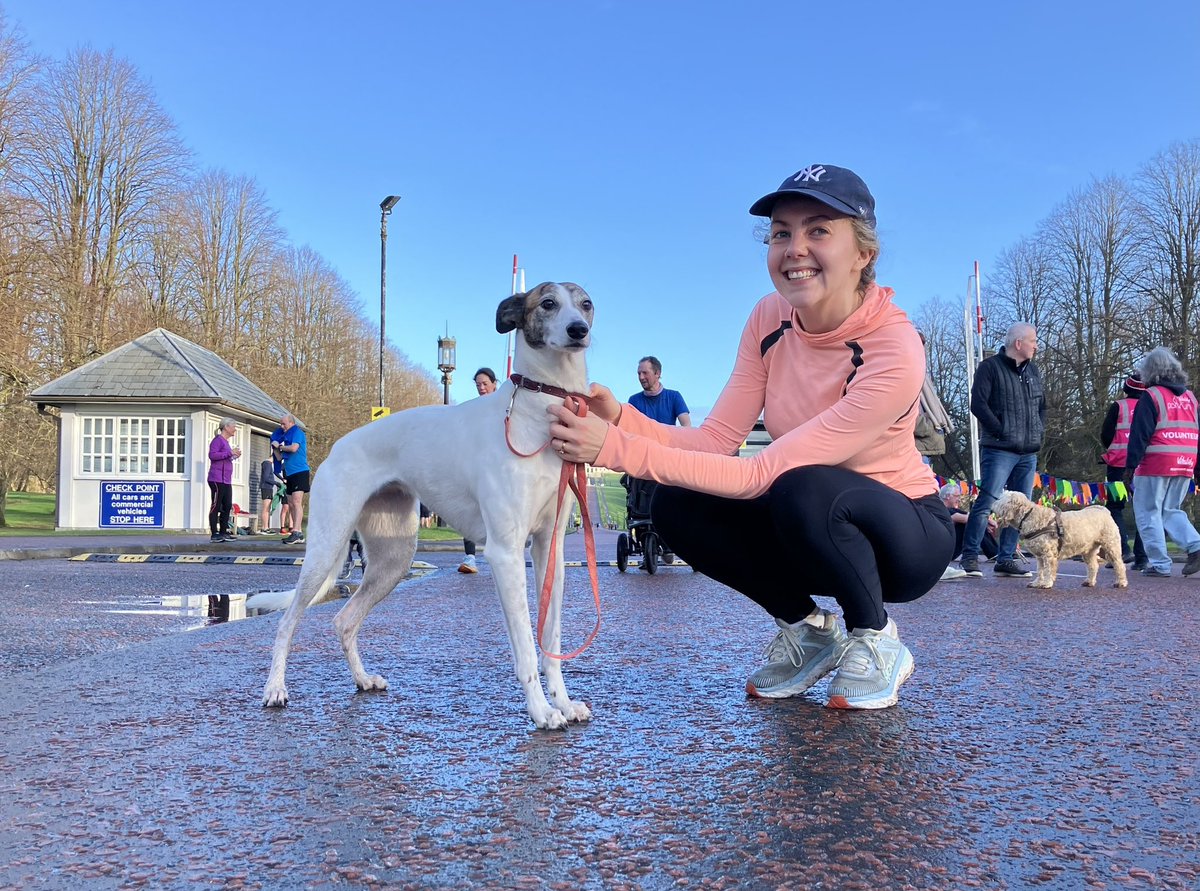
577,439
603,404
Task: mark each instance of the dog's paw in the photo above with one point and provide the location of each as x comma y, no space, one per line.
1087,584
549,719
275,696
1039,585
577,711
371,683
1121,584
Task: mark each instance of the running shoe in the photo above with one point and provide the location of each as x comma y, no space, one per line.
873,666
798,657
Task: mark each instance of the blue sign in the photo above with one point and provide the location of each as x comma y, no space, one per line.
132,504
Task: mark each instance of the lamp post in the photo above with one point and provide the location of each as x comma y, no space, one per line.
385,206
446,347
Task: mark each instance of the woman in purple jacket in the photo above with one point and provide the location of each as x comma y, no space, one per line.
220,480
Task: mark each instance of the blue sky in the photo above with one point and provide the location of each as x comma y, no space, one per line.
619,144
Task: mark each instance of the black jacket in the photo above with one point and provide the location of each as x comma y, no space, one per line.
1010,404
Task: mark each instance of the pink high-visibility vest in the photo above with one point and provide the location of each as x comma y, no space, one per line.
1172,449
1119,447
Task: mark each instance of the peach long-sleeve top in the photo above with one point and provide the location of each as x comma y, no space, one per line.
847,398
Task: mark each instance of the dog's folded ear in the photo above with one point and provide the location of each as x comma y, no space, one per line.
510,313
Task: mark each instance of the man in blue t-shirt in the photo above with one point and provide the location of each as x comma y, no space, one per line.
665,406
656,401
292,445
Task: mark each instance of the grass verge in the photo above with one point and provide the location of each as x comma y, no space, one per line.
28,513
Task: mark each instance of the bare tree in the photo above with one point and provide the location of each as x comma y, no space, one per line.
232,236
156,296
1090,237
1168,189
26,444
102,157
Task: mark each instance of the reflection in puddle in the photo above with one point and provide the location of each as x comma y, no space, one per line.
212,609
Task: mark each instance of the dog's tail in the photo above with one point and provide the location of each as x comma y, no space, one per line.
269,601
272,601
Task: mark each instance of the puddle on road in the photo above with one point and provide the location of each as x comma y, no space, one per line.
213,609
207,609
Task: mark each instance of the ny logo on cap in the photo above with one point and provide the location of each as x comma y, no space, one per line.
811,173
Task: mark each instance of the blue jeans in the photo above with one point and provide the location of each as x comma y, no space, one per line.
1156,501
999,470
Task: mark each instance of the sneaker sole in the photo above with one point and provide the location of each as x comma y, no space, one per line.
468,570
1013,575
906,670
795,688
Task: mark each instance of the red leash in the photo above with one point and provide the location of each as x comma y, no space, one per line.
575,476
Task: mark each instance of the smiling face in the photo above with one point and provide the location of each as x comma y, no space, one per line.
815,262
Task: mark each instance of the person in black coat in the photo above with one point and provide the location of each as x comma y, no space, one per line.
1008,401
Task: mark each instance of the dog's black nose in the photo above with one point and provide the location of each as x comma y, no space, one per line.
577,330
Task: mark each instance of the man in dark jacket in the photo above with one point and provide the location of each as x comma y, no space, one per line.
1009,403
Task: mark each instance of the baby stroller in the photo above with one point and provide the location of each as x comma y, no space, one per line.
641,540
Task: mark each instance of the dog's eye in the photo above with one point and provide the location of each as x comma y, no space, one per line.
549,303
586,305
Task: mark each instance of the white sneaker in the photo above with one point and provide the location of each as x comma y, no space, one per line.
468,565
873,666
952,572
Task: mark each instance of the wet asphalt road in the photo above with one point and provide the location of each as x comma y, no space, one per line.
1044,741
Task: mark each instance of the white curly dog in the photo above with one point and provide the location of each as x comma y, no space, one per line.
457,460
1052,535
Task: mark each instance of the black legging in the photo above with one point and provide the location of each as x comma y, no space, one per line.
222,504
817,530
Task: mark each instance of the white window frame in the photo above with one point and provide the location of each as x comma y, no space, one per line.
133,445
170,430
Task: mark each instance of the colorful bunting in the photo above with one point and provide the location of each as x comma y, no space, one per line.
1049,490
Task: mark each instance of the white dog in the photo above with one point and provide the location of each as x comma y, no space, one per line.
457,460
1052,535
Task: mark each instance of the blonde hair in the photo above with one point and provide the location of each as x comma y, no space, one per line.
868,240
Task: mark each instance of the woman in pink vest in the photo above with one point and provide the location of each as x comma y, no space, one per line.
1161,461
1114,436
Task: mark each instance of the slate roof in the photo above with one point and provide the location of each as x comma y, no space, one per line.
160,367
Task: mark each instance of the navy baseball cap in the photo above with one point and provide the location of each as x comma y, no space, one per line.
836,187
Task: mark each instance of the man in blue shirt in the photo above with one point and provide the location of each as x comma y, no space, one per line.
667,407
655,401
292,446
